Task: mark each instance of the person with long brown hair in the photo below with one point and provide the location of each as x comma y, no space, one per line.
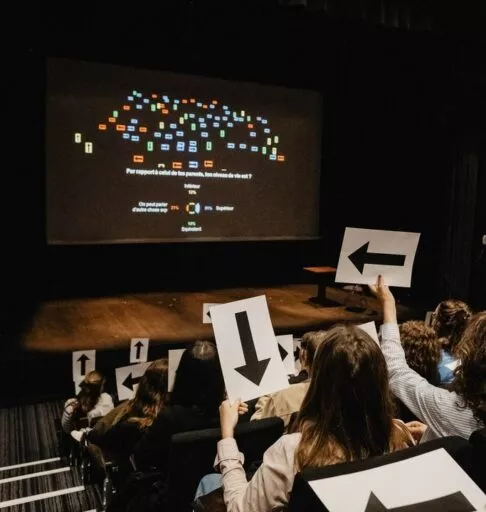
91,402
120,430
445,412
449,320
347,414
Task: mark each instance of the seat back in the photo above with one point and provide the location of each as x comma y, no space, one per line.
478,442
192,456
303,498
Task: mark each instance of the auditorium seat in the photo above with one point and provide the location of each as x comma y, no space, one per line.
199,447
192,456
478,442
303,498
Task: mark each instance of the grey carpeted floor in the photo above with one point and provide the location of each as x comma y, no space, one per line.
28,434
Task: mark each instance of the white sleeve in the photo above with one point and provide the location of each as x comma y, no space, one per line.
438,408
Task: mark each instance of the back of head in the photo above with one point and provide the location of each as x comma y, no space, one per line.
309,345
199,380
422,349
151,394
470,380
347,412
449,320
91,389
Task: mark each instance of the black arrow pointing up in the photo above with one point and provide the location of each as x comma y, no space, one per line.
283,352
139,346
253,370
455,502
130,381
362,257
82,359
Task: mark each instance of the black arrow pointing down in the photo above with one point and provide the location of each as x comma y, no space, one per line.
253,369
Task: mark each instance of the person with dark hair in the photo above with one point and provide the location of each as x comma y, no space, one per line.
455,412
286,402
347,414
90,402
422,349
119,431
198,390
199,380
449,320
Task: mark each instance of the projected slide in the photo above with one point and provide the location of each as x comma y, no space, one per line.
141,156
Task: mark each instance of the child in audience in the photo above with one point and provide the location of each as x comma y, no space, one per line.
459,411
449,321
422,349
347,414
119,431
91,402
286,402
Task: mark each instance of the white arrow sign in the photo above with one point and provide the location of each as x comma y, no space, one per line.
84,361
366,253
139,350
206,314
286,349
128,378
248,349
175,357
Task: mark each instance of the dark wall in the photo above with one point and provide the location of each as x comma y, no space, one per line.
397,110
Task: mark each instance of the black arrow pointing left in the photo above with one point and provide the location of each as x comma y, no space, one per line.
82,359
253,369
455,502
362,257
131,381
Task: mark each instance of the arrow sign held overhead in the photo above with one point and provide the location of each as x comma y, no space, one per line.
82,359
456,502
253,369
130,381
362,257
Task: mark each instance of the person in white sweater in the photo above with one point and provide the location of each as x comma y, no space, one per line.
91,402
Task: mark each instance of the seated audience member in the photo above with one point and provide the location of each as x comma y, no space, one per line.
91,402
422,349
449,321
288,401
119,431
198,390
346,415
459,411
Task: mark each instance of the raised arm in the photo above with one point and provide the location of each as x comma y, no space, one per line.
438,408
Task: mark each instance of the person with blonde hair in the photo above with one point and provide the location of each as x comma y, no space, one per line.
90,402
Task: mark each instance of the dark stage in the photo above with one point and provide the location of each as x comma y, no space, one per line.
173,317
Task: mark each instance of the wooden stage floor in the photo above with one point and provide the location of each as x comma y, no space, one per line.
169,317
